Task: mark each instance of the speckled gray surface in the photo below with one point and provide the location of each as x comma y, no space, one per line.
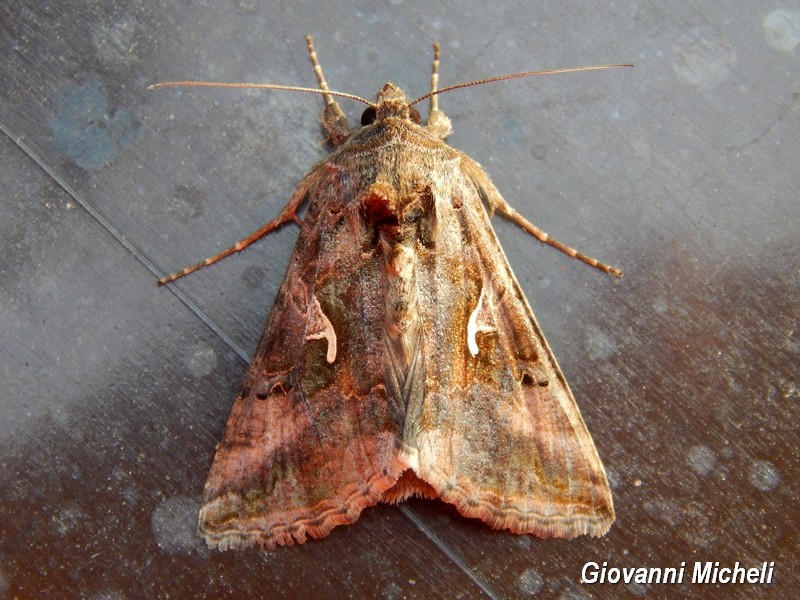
682,171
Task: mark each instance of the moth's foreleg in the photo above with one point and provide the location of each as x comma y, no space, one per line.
438,123
333,118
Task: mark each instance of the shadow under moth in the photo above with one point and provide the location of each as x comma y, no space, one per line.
401,357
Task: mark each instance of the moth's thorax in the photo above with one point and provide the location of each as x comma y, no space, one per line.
396,164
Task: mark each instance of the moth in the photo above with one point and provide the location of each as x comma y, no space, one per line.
401,357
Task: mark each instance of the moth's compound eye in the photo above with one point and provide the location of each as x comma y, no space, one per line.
368,116
414,114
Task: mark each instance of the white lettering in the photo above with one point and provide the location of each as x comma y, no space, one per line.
739,573
594,566
702,574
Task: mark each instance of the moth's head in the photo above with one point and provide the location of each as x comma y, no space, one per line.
391,102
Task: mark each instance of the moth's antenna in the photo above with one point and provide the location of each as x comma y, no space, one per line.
433,93
438,124
326,92
257,86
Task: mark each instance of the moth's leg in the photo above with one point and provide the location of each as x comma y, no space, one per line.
333,119
506,210
438,124
289,213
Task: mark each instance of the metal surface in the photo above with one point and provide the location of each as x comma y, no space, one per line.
682,171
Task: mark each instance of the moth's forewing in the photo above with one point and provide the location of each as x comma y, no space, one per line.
498,432
310,443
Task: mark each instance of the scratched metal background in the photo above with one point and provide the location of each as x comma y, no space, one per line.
113,392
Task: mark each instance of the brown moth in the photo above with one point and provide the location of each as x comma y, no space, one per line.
401,357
